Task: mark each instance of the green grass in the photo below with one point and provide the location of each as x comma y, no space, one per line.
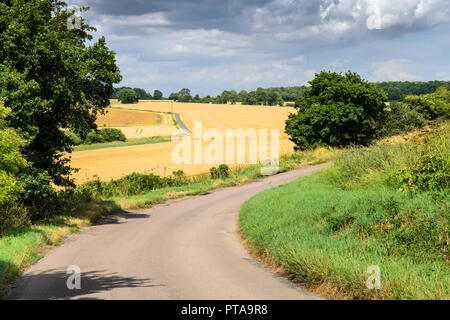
327,229
22,247
135,142
19,249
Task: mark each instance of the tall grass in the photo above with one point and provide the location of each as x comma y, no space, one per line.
327,229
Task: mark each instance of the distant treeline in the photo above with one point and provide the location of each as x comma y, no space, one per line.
280,95
270,96
140,93
396,89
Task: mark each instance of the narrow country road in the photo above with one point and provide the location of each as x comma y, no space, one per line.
183,249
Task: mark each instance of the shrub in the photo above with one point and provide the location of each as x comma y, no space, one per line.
431,170
431,106
11,163
38,195
94,137
398,118
127,96
338,110
180,175
430,173
105,135
214,173
74,139
112,134
222,172
130,185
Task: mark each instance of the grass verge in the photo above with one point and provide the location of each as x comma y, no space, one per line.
135,142
327,229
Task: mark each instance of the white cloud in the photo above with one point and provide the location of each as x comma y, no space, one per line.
330,19
339,63
148,19
392,70
298,59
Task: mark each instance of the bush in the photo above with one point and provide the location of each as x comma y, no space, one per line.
127,96
105,135
222,172
130,185
432,169
11,163
112,134
94,137
431,106
38,195
180,175
338,110
397,119
74,139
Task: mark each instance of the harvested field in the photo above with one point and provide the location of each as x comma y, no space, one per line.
157,158
138,124
125,118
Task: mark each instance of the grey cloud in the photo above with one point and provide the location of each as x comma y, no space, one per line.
211,45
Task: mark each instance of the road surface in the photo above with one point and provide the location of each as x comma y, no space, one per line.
183,249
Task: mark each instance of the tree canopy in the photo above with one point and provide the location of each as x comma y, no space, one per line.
337,110
127,96
396,90
11,161
58,79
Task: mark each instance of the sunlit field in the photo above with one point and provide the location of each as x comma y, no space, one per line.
157,158
138,124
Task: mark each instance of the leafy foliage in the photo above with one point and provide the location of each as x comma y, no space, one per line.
338,110
431,171
51,79
105,135
127,96
397,118
396,90
11,162
141,93
130,185
222,172
157,95
431,106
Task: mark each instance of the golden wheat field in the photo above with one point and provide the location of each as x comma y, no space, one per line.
138,124
157,158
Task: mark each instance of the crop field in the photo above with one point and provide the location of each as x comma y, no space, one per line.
138,124
157,158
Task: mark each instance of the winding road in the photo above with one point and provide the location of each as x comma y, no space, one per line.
183,249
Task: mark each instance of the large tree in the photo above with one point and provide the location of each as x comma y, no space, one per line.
337,110
127,96
53,77
157,95
184,95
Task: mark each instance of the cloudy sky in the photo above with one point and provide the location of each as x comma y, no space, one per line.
214,45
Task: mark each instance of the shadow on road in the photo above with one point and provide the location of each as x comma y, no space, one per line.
121,217
53,285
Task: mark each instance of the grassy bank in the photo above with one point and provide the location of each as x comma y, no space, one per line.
327,229
22,247
129,143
